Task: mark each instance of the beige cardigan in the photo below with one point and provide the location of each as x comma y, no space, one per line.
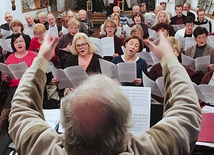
175,134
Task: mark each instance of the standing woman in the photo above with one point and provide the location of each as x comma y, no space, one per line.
83,54
17,27
39,31
133,44
110,28
138,20
65,40
116,18
20,54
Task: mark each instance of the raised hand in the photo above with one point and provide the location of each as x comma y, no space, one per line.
47,49
162,49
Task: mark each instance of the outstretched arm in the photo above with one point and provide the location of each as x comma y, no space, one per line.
178,131
27,126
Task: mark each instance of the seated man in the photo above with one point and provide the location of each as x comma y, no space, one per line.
201,48
96,115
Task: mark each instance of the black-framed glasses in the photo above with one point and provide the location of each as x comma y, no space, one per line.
81,45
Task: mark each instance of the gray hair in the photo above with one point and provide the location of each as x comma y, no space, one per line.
95,117
41,14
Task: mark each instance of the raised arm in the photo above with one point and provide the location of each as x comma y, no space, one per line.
27,127
178,131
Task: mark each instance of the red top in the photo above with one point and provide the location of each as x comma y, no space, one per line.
12,59
34,45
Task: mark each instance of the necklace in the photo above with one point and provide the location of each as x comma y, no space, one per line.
20,56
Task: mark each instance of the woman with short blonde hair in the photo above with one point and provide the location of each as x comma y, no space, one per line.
83,36
39,28
83,54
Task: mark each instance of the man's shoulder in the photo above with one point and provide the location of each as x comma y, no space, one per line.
190,49
5,26
210,48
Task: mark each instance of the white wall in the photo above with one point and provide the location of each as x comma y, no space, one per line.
6,6
194,4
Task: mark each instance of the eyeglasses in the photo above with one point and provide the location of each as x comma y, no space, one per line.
81,45
201,38
18,41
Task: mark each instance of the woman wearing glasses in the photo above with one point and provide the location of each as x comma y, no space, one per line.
83,54
20,54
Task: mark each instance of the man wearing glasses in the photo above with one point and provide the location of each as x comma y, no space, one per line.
201,20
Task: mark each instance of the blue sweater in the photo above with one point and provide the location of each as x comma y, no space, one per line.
141,66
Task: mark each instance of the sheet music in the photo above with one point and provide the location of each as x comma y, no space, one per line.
76,74
64,81
140,99
14,70
149,57
53,31
64,30
207,91
119,30
198,64
157,87
127,29
105,46
6,33
109,69
123,72
186,42
207,109
70,77
6,44
207,26
149,18
178,27
127,72
198,91
211,82
152,34
210,40
201,63
52,116
96,42
5,70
